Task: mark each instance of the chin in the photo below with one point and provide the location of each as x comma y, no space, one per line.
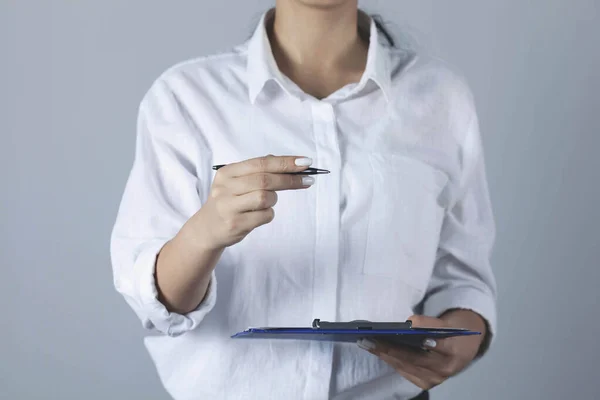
324,3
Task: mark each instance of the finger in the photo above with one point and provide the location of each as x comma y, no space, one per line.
409,354
268,181
423,378
253,201
272,164
254,219
444,346
417,357
445,364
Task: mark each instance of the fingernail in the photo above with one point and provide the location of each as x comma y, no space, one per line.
303,162
308,180
429,343
366,344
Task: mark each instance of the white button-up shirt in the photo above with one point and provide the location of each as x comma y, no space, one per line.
402,224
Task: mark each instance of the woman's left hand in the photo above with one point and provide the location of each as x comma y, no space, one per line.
445,358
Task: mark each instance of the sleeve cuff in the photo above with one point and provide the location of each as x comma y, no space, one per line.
466,298
156,314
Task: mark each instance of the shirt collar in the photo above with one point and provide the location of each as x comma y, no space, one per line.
262,66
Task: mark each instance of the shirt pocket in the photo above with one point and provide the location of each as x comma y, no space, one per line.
405,219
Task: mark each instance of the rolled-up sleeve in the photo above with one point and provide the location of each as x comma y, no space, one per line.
161,194
462,277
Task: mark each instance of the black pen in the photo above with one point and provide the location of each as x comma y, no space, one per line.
308,171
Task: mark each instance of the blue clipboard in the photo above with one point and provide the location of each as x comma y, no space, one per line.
351,332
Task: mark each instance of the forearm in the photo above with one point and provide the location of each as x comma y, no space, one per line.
183,271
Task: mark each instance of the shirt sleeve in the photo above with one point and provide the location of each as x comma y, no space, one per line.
462,277
162,192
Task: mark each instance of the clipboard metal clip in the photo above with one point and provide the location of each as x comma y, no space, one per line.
361,325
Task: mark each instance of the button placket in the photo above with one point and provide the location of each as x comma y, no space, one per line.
327,239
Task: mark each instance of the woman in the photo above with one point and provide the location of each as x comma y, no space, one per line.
401,226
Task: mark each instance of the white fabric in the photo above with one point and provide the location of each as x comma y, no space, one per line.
402,223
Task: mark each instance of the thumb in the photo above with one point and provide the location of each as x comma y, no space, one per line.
423,321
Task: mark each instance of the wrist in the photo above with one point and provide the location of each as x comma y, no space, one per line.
195,250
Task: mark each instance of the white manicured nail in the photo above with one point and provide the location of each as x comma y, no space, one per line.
308,180
303,162
429,343
366,344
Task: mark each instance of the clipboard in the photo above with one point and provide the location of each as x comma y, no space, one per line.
350,332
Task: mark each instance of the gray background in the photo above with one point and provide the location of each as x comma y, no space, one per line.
72,74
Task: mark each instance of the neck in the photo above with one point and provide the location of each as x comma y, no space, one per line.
318,42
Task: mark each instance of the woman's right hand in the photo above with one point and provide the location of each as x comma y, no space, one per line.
242,197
